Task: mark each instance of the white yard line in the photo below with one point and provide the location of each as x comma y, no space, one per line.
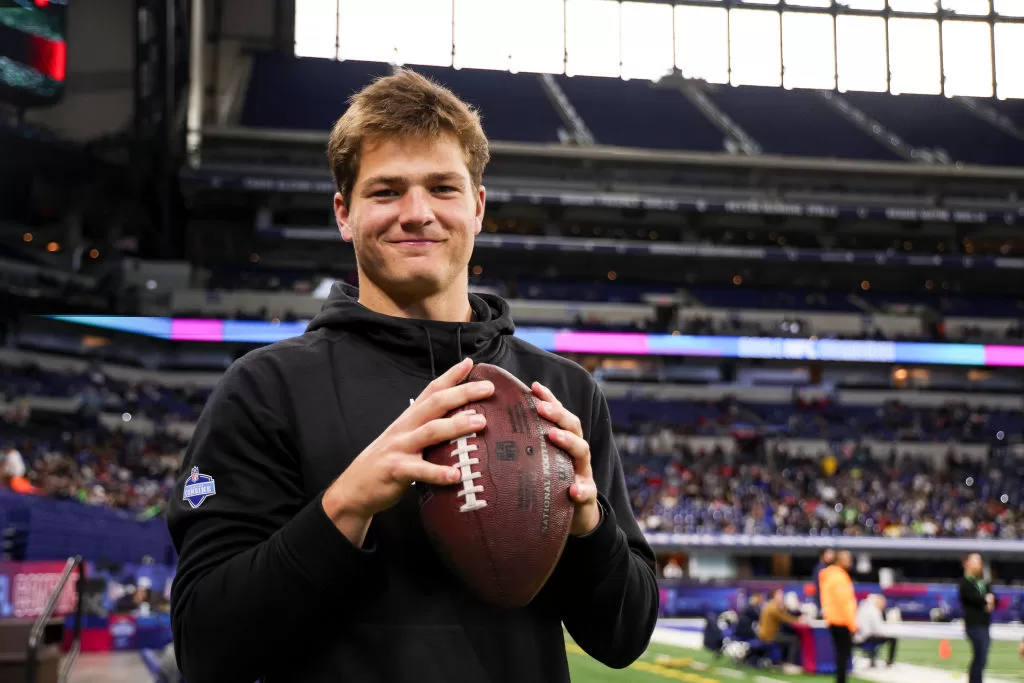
901,673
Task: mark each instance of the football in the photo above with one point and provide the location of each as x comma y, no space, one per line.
502,529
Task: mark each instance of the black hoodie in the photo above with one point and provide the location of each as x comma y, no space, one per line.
268,588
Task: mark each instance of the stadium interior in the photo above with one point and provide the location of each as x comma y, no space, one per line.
784,236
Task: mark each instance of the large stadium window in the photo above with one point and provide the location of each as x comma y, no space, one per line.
397,31
1009,57
425,32
754,48
702,43
914,56
860,42
967,58
976,8
537,34
1009,8
482,34
368,30
316,28
646,40
717,44
592,38
808,50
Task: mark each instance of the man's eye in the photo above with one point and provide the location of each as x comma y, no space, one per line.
384,193
445,188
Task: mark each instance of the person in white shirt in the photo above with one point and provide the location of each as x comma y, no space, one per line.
871,628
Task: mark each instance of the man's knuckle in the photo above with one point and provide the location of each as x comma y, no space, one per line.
395,469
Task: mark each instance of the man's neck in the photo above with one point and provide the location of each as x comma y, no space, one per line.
449,306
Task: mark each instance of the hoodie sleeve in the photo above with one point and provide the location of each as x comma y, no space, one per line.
606,579
257,558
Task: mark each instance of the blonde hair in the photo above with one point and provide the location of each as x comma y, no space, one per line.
405,104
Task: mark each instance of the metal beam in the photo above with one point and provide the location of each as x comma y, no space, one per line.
606,153
841,10
197,85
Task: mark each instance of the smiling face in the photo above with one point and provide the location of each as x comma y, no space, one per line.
412,219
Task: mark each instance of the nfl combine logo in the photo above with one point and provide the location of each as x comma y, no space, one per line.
198,488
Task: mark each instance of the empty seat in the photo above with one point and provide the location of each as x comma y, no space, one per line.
797,122
635,113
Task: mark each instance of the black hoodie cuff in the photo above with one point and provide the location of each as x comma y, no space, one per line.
588,556
324,553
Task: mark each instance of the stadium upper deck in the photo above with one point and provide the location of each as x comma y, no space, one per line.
643,114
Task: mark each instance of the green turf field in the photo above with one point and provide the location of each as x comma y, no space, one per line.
1003,660
699,666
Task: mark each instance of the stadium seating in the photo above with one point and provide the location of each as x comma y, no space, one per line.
514,107
934,122
56,529
636,113
316,90
797,122
738,297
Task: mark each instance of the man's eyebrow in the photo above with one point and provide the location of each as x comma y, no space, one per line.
430,178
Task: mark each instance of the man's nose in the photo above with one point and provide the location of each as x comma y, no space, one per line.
415,208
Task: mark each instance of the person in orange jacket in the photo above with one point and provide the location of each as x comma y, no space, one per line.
839,605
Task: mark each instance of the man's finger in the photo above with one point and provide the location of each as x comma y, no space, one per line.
443,430
582,491
408,469
444,401
577,448
451,377
558,414
545,393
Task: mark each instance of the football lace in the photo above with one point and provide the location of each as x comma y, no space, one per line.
470,491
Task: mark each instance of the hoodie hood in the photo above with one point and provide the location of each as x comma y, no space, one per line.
422,346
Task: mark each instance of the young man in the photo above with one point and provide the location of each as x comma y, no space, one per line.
839,604
977,602
303,558
769,630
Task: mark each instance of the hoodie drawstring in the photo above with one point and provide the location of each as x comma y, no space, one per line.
430,348
430,352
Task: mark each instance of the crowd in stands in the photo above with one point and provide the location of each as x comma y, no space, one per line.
772,491
94,467
93,391
825,419
757,486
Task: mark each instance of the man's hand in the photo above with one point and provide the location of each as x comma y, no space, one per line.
569,437
379,476
990,602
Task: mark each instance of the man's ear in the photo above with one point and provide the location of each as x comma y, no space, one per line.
341,214
481,205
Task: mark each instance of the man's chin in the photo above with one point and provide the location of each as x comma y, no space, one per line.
411,285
